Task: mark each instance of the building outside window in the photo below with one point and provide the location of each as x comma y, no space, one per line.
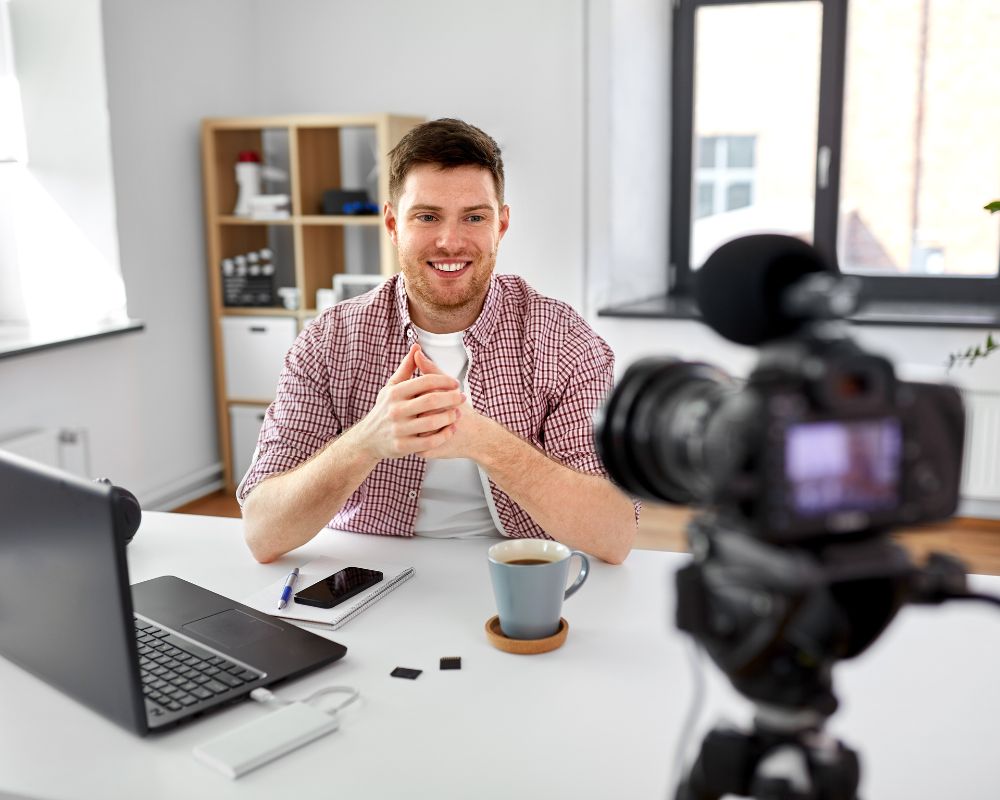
724,175
868,129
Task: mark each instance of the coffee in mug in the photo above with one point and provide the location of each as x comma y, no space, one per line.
529,579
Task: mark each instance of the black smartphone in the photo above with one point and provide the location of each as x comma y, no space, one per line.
336,588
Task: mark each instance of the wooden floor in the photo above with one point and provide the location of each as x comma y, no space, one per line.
975,541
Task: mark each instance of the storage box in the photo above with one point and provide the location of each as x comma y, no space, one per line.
254,350
244,426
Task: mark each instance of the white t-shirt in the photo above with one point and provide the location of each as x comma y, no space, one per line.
455,501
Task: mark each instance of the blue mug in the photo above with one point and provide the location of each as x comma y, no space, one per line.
529,579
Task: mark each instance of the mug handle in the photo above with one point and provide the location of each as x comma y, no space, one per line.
581,575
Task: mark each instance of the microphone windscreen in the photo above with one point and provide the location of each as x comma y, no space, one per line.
741,287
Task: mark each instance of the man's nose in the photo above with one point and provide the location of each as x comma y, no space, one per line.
449,236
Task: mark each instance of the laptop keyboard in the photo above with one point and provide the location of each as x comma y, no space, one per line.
177,674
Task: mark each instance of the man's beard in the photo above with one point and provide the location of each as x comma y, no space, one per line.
439,300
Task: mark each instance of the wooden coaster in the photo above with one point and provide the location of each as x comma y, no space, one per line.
525,647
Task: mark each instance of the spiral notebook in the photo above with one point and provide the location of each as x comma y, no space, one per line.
266,599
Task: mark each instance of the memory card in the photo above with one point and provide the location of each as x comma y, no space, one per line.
406,672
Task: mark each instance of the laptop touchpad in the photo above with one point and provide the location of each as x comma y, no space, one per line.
232,628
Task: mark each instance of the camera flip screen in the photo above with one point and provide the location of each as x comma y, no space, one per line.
835,466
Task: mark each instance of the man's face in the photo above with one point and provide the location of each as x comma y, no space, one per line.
446,225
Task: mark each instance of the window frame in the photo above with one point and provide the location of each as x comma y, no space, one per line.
833,52
13,148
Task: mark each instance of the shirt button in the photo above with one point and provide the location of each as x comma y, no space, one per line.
412,494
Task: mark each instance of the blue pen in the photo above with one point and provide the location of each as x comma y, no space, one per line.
286,590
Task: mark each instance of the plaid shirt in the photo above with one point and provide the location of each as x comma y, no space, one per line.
535,366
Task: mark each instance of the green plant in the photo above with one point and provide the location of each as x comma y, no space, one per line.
977,351
973,353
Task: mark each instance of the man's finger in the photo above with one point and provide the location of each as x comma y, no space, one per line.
425,384
436,399
405,369
427,366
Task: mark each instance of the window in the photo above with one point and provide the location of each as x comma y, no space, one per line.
12,146
59,274
12,156
868,129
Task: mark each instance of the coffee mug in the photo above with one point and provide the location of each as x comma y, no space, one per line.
529,582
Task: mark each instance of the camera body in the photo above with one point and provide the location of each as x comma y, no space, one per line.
834,444
821,441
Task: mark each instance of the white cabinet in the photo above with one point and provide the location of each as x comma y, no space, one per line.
244,425
254,350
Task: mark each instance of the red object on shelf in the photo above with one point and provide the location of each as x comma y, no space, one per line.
248,155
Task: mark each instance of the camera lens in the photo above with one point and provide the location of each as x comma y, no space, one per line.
651,431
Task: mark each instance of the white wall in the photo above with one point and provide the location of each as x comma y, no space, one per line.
628,139
515,70
918,353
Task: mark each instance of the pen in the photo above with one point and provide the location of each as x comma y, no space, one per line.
286,590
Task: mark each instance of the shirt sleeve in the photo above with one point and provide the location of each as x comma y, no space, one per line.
586,376
568,429
301,419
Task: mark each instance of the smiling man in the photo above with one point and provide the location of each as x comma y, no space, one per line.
448,402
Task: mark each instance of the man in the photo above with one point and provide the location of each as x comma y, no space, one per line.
447,402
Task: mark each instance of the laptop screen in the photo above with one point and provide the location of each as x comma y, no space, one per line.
65,604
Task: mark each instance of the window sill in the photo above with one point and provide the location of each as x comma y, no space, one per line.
18,339
878,312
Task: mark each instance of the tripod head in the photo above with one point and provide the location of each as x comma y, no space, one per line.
775,619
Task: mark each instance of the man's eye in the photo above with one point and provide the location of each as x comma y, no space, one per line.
476,218
425,217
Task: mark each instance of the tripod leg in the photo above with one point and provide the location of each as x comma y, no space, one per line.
725,765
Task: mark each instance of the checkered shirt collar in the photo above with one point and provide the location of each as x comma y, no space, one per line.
481,330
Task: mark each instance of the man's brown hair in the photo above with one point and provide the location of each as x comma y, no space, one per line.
448,143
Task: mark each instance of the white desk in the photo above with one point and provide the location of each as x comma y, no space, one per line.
598,718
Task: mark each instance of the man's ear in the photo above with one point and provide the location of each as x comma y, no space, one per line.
389,220
504,220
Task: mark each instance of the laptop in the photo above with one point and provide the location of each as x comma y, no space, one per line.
147,657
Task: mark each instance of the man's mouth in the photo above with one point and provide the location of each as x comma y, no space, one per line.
449,266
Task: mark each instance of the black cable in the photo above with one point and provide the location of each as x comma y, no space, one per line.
986,598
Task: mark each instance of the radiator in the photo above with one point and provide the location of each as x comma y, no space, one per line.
981,470
64,448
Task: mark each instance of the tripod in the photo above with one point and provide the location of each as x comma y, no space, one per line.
775,619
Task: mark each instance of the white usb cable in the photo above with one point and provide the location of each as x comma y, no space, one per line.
266,696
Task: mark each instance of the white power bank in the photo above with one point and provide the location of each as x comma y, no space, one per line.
263,740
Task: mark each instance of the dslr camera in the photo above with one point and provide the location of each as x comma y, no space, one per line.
822,440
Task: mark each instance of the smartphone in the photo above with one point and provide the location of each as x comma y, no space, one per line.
336,588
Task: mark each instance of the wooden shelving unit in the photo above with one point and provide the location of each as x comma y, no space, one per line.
316,151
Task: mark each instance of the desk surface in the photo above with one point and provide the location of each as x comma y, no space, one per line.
598,718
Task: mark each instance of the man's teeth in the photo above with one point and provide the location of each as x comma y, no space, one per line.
449,266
